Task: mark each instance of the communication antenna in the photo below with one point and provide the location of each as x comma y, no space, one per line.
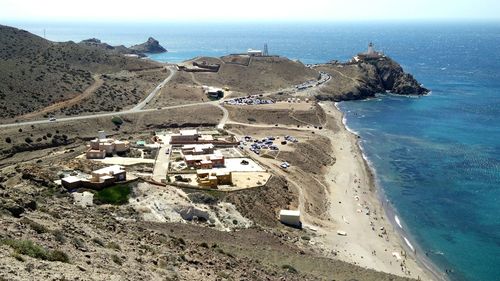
266,51
44,34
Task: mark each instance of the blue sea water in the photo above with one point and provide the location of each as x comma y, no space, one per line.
437,158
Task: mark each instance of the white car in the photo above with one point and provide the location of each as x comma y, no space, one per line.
52,119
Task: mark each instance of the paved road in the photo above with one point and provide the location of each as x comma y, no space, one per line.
139,108
162,159
143,103
83,117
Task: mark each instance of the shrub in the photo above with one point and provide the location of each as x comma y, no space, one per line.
117,121
113,245
289,268
116,259
98,241
59,256
8,140
28,248
305,237
37,227
59,236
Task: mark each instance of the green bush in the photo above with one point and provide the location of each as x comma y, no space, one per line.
28,248
37,227
117,121
116,195
289,268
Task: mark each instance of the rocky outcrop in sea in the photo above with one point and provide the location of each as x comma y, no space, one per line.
150,46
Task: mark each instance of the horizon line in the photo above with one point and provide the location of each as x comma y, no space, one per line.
142,21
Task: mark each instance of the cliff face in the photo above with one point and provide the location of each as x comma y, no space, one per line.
150,46
366,78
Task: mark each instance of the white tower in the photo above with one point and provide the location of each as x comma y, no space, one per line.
266,51
371,50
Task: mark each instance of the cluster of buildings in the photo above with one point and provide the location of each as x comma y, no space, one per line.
370,54
98,179
198,152
100,147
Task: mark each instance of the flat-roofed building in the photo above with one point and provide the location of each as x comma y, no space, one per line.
208,161
101,146
99,178
197,149
71,182
256,53
213,177
185,136
115,172
95,154
290,217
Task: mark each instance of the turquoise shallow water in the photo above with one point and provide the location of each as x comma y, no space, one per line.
437,158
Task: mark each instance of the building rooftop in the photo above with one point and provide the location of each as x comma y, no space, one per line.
115,169
198,146
71,179
188,132
295,213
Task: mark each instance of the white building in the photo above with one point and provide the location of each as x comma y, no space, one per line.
252,52
290,217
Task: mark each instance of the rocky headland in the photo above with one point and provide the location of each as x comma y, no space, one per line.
366,78
151,46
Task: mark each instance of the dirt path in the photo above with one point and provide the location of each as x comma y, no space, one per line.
194,79
98,82
347,77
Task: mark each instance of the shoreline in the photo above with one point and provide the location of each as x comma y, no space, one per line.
404,236
351,193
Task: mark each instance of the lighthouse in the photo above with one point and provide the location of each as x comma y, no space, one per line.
371,50
370,54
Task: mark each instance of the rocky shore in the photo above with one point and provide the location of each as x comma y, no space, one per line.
366,78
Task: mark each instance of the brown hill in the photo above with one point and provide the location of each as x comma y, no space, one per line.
256,74
35,72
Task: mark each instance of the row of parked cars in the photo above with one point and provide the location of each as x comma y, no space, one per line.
249,100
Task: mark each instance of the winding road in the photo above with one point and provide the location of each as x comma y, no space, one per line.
139,108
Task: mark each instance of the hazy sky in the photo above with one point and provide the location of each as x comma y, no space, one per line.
249,10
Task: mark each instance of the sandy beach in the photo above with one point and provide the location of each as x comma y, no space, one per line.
356,210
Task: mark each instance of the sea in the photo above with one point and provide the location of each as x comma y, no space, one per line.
436,157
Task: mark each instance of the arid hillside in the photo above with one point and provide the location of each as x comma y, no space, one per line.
257,74
35,72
